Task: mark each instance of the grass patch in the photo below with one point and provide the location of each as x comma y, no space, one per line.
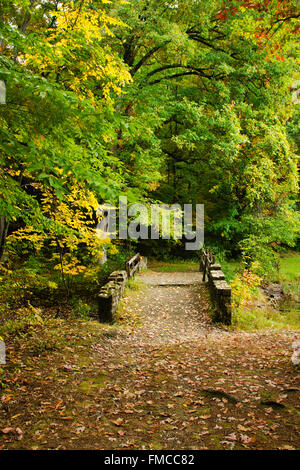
289,274
284,316
289,271
266,318
134,284
230,268
171,266
289,267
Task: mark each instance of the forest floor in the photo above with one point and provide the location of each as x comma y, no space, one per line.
163,377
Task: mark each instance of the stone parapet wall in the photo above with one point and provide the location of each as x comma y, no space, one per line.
110,295
221,294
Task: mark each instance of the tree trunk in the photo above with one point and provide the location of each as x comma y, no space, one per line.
3,234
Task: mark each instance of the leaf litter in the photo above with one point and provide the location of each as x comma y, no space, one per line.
164,377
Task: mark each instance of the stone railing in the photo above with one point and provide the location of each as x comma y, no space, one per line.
110,294
220,290
221,294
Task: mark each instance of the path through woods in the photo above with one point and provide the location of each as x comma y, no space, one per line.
166,379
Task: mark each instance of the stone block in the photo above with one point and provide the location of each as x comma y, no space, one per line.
110,295
215,267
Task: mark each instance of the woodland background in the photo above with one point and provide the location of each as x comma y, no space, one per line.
186,101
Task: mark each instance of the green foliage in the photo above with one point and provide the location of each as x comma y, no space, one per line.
289,277
266,318
246,296
230,268
221,112
23,323
19,286
81,309
289,267
186,102
56,130
3,383
267,260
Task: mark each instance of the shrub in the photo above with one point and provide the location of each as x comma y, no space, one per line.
244,290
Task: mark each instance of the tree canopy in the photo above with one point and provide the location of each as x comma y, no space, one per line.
176,101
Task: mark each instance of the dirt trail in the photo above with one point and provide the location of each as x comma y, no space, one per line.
167,379
173,309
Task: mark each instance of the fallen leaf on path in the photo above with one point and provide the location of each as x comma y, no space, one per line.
7,430
245,439
80,429
231,437
118,422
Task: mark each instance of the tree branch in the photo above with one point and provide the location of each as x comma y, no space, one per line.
174,66
147,56
185,74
